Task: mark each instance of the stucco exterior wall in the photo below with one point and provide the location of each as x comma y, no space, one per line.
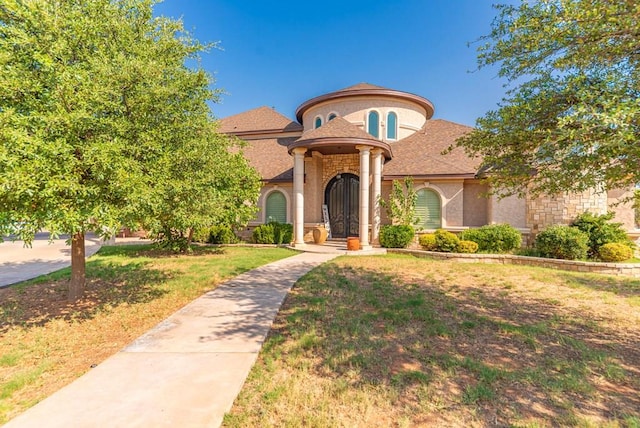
511,210
286,189
475,204
624,212
411,117
452,198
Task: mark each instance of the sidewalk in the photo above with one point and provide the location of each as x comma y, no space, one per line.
188,370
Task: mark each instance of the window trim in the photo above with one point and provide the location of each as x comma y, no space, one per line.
286,209
440,195
367,122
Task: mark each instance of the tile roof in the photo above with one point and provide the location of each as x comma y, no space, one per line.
258,119
361,85
271,158
420,154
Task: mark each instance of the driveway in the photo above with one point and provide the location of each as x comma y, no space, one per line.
19,263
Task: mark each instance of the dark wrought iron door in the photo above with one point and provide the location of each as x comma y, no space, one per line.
342,197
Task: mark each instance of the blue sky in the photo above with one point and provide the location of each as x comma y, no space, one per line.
281,53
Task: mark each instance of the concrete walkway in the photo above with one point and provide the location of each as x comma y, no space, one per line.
188,370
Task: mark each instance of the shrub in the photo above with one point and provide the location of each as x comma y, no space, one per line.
273,233
601,231
446,242
467,247
562,242
615,252
396,235
494,238
220,234
428,242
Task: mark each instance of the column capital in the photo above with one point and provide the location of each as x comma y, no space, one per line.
376,152
299,150
363,148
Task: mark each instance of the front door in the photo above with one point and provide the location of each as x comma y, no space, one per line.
342,196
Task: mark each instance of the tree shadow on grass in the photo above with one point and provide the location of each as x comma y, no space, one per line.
618,285
478,350
109,284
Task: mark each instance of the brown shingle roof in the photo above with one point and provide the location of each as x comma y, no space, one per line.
361,85
261,119
420,154
336,128
271,158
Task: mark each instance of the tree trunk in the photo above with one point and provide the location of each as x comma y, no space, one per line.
76,287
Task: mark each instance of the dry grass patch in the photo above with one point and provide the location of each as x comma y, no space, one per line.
401,341
45,342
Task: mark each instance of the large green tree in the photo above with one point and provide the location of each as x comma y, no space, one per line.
571,119
104,124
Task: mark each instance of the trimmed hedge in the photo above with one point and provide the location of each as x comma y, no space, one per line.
615,252
396,235
428,242
446,242
467,247
494,238
273,233
562,242
601,231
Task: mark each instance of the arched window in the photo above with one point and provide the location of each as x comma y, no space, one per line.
429,209
392,126
331,116
373,124
317,123
276,208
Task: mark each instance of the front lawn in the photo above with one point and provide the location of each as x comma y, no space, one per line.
45,343
400,341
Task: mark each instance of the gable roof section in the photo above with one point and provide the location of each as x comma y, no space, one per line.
261,120
270,158
420,154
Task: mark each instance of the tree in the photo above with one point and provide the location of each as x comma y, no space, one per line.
103,125
571,120
401,206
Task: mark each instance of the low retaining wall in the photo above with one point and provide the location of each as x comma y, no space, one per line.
624,269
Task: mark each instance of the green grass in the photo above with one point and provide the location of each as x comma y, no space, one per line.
46,342
393,340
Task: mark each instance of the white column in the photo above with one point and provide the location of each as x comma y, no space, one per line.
298,196
376,192
364,196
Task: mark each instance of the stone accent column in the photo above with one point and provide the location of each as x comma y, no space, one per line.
364,196
298,196
376,192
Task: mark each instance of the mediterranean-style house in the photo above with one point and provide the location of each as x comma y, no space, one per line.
345,149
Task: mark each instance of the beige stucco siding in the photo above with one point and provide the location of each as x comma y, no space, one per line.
475,204
511,209
286,189
624,212
411,117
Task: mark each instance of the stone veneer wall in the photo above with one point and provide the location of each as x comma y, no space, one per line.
337,164
547,210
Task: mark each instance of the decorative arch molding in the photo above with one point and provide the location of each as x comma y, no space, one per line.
265,197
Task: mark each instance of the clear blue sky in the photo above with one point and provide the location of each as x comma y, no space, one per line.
280,53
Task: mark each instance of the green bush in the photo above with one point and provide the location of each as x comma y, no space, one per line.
494,238
601,231
428,242
467,246
273,233
396,235
446,242
615,252
220,234
562,242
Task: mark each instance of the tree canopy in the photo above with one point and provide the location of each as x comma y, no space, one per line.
571,119
103,124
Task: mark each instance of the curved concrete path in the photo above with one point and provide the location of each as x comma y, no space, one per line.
188,370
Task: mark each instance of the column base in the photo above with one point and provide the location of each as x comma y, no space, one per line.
299,244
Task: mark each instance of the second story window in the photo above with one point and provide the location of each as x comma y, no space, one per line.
373,124
331,116
392,126
317,123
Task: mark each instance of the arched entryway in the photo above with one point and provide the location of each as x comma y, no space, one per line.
341,197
